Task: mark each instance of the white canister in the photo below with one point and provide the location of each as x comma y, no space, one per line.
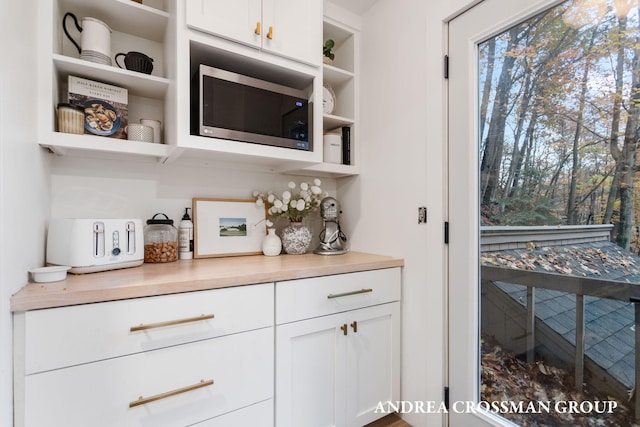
332,148
139,132
157,129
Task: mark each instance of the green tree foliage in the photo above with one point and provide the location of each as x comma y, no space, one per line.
558,98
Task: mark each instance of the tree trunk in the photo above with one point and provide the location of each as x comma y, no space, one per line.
628,155
615,123
486,90
492,158
572,205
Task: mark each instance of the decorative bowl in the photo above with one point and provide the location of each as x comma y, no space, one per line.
54,273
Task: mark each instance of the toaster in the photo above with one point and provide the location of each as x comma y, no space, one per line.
92,245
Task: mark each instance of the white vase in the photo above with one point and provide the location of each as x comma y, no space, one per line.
296,238
271,244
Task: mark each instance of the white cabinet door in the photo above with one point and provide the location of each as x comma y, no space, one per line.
289,28
66,336
179,385
334,370
293,29
233,19
308,357
373,361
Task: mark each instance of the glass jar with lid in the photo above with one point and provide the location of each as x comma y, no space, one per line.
160,240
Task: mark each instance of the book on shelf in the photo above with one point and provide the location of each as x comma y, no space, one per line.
346,145
105,106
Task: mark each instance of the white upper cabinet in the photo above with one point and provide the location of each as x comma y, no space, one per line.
294,29
239,20
273,40
289,28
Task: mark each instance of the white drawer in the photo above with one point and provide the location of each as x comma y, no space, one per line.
258,415
68,336
319,296
100,394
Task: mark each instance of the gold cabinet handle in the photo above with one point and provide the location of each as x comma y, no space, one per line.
171,323
270,33
345,331
346,294
257,30
354,325
145,400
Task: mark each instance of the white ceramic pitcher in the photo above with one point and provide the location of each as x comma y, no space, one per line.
95,41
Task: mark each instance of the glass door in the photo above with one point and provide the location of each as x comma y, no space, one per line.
543,127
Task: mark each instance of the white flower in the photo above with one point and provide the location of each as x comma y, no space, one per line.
269,223
296,202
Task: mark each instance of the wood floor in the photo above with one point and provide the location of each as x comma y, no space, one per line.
391,420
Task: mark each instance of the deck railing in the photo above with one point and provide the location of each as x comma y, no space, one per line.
581,287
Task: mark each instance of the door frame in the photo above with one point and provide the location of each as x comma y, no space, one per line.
463,33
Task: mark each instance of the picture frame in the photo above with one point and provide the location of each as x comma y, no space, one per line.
227,227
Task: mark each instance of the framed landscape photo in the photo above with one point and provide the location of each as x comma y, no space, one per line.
227,227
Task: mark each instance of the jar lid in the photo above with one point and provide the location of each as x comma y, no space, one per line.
74,106
166,221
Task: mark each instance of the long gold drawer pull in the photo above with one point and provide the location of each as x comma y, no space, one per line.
171,323
145,400
354,325
346,294
257,30
345,331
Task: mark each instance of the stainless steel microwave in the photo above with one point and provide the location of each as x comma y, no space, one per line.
242,108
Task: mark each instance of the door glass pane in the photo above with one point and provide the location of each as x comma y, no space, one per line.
559,121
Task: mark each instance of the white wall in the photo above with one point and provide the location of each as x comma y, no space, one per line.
402,127
100,188
24,177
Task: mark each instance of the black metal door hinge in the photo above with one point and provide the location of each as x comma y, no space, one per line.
446,232
446,398
446,66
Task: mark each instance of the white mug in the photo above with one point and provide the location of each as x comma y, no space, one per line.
139,132
157,129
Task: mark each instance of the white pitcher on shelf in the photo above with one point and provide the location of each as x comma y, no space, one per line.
95,40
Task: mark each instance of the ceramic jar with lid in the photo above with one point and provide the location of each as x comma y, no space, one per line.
160,240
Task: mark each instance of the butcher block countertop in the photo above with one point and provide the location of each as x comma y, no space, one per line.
191,275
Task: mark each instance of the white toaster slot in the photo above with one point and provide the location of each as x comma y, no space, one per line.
98,239
131,238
